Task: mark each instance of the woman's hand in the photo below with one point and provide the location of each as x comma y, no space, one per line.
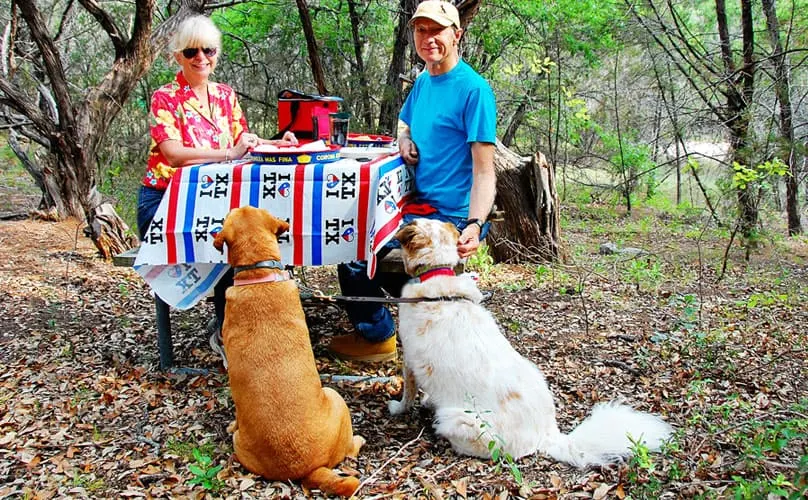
245,143
288,139
408,150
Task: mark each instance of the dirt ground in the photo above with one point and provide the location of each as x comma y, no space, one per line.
86,413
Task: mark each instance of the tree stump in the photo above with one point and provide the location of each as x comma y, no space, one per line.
526,193
109,232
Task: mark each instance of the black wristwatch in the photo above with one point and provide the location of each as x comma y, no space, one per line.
483,225
475,221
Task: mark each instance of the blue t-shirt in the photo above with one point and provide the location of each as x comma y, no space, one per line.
446,113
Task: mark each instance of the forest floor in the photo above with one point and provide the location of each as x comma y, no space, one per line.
84,412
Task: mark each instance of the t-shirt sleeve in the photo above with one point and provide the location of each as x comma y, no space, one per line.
163,122
481,115
405,114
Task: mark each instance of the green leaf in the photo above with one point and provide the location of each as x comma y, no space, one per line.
196,470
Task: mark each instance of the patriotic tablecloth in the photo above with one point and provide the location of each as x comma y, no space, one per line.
337,212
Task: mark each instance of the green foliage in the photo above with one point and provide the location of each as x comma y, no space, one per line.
496,445
641,476
89,482
766,299
762,175
204,472
515,286
688,305
481,261
504,460
644,273
541,273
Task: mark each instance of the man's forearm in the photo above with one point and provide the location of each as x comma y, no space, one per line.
484,181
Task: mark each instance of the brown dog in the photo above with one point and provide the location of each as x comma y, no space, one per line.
287,425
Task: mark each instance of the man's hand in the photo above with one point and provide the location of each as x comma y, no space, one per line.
469,241
408,150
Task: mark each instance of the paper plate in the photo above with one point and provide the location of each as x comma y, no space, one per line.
366,153
294,155
372,140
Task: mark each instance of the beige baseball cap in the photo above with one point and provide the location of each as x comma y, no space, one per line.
443,13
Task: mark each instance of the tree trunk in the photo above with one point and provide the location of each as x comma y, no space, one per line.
311,46
365,107
782,88
393,93
71,129
526,192
739,97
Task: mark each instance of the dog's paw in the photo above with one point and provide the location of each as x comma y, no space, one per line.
396,407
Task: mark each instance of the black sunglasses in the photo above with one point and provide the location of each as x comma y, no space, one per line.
190,52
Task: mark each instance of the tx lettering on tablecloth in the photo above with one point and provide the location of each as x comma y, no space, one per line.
337,212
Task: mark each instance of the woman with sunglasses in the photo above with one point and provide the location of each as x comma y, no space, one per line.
194,120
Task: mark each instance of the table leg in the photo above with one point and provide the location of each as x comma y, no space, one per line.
164,344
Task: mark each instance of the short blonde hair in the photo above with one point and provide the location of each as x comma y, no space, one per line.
196,31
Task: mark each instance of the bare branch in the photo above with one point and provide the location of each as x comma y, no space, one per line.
118,39
5,50
53,66
18,101
63,20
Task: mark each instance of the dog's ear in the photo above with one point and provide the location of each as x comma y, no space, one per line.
219,240
452,230
222,236
283,226
406,234
275,225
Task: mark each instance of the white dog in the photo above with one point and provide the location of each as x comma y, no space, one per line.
483,392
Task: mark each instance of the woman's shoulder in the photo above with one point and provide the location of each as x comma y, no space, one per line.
170,89
223,90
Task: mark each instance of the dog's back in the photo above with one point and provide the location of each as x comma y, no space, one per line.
483,391
480,387
287,425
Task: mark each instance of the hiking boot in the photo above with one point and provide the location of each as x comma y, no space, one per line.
216,341
353,347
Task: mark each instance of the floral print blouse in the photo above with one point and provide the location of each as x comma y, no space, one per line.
177,114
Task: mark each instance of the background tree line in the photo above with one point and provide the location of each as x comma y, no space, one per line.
616,94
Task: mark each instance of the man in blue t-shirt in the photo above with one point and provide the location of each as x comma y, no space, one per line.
447,131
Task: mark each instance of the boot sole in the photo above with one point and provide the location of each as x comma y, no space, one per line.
368,358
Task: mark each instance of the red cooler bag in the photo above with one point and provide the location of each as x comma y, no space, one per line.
299,112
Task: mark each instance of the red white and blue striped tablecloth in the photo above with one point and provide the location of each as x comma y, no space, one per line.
337,212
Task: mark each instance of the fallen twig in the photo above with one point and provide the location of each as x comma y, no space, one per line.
619,364
379,469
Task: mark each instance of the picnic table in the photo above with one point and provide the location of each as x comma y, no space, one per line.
338,212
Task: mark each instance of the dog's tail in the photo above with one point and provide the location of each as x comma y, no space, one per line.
604,436
328,481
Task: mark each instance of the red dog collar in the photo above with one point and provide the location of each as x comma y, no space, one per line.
440,271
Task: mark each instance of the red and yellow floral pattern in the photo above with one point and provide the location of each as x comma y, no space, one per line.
176,114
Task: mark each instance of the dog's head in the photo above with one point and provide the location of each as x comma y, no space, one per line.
251,235
426,242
